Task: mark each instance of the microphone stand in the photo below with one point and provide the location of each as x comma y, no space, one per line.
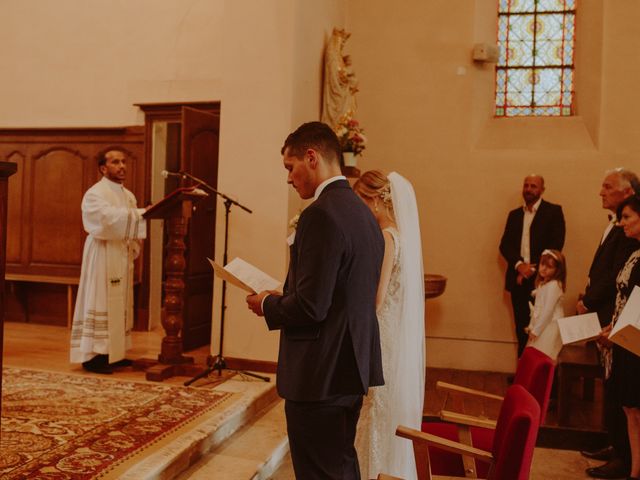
220,362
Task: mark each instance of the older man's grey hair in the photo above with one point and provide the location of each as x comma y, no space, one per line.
626,178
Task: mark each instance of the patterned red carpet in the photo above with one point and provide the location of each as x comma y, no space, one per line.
66,427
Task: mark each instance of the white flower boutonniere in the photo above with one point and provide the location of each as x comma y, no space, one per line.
293,223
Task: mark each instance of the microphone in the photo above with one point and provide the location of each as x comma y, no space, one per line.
167,174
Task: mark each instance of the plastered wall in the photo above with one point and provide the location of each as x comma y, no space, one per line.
425,105
86,62
428,111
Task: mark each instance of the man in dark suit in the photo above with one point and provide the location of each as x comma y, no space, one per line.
600,296
530,229
329,338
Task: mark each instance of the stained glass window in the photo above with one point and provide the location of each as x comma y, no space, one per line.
534,74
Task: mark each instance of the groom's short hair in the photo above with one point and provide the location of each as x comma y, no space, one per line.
316,135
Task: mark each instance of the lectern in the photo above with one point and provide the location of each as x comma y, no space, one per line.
175,209
6,170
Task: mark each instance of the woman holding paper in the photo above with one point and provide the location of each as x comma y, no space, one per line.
622,367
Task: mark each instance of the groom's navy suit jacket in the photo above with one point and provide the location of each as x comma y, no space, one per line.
329,340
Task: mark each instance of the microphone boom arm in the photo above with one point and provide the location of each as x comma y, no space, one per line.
213,190
219,363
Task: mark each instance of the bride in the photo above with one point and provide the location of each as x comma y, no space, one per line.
400,308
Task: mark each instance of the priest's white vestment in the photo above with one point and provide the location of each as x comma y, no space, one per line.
103,316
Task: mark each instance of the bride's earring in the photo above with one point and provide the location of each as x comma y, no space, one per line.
375,206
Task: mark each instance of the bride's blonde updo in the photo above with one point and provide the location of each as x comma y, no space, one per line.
372,185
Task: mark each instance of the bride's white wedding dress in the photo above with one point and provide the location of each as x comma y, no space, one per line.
376,435
401,320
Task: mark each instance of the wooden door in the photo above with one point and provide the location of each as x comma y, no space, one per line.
200,140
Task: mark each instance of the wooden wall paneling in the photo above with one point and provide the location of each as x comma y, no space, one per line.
57,190
6,170
15,230
46,237
18,229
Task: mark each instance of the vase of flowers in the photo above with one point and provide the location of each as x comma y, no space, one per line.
352,140
349,159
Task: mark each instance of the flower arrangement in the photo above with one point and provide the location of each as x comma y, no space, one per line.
351,135
385,195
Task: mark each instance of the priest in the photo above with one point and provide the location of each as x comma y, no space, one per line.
103,316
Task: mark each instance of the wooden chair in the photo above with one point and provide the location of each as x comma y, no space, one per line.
534,373
511,452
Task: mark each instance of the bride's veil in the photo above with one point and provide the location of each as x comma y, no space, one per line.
409,375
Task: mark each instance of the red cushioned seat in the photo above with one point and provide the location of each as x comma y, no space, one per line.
511,452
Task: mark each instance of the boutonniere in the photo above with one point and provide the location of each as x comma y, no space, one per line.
293,223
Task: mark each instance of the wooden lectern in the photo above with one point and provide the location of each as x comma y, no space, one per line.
175,209
6,170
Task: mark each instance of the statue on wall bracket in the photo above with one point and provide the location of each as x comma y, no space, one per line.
340,83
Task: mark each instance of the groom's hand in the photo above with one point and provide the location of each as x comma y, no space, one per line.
254,302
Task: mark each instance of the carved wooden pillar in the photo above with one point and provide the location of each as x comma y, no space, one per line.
174,268
6,170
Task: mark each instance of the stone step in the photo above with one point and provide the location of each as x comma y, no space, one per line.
253,400
285,470
253,453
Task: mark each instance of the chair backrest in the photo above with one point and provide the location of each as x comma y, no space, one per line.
535,373
515,436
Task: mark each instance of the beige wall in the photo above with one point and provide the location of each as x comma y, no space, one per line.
86,62
427,109
273,80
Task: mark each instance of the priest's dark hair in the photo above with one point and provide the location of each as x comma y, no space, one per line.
316,135
102,156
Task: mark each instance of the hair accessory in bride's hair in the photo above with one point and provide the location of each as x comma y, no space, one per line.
551,254
385,194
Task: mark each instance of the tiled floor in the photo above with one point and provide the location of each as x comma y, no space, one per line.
560,465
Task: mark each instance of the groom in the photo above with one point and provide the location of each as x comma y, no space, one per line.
329,339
